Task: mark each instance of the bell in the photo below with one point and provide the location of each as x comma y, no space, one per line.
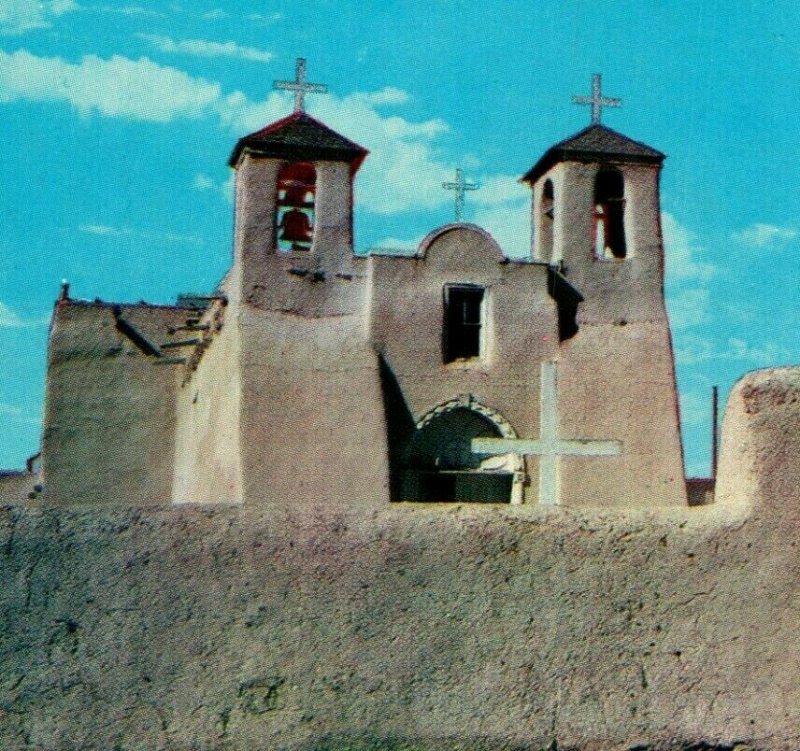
295,227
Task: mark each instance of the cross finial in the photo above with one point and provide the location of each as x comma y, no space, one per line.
460,186
597,100
299,86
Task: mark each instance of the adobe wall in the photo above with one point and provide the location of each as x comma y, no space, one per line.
109,410
416,626
207,448
521,328
312,413
15,487
617,381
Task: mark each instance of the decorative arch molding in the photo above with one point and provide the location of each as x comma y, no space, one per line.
434,235
512,463
468,401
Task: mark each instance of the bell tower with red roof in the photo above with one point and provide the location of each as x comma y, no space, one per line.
303,365
294,211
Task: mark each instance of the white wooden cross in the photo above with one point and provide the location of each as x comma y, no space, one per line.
597,100
460,186
299,86
548,447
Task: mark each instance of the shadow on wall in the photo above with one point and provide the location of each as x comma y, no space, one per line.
372,743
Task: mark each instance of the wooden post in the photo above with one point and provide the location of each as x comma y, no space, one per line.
714,431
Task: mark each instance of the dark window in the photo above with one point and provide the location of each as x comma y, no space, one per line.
463,319
546,217
609,211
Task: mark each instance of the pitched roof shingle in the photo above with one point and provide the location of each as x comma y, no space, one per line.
300,136
593,143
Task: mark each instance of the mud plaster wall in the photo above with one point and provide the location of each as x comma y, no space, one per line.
416,627
312,419
207,449
109,411
520,329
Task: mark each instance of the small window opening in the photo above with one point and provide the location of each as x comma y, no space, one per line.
297,185
609,215
546,217
463,321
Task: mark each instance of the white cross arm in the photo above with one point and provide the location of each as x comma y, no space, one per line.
569,447
316,88
605,101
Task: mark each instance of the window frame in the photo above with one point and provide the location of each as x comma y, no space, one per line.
454,347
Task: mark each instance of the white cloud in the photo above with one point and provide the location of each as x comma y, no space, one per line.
205,48
103,230
205,183
510,225
387,96
202,182
691,349
402,172
497,189
19,415
688,307
106,230
117,87
761,235
10,410
265,19
681,252
20,16
129,10
9,319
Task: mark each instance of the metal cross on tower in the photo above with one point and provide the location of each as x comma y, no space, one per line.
597,100
549,447
460,186
299,86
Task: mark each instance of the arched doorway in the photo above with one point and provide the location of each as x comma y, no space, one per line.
439,464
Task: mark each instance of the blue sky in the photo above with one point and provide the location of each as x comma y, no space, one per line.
117,118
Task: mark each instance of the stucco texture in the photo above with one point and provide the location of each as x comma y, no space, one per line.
416,626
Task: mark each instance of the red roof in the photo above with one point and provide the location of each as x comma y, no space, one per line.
300,137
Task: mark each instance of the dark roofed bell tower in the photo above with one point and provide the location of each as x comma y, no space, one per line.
294,204
596,213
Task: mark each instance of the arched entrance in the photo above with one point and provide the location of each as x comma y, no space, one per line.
439,464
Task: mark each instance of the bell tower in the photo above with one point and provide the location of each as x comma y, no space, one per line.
294,209
294,205
596,213
596,218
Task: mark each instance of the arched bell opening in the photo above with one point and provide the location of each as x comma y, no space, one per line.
609,214
440,466
546,220
297,186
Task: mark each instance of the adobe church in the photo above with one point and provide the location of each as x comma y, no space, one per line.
453,374
401,502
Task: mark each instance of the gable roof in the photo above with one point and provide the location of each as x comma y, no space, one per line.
300,137
592,144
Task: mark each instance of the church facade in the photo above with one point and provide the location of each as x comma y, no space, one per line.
455,374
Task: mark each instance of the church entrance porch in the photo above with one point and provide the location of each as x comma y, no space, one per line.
452,486
440,466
